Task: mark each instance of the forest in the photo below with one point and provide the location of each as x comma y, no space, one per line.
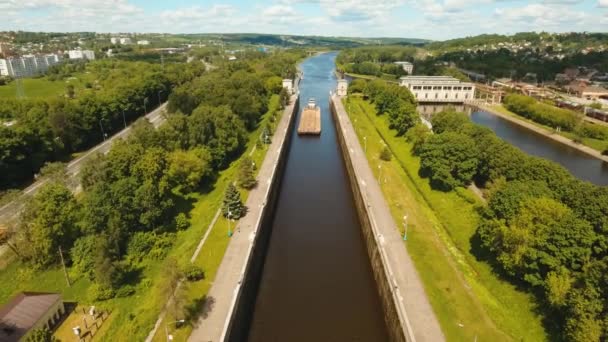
542,228
51,129
133,198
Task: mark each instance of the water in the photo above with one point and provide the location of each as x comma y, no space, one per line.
317,283
578,163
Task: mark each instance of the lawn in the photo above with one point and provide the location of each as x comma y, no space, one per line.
42,87
470,300
134,316
596,144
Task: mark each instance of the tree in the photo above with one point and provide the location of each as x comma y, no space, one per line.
172,290
233,207
284,98
70,91
41,335
449,159
246,176
448,121
188,168
47,223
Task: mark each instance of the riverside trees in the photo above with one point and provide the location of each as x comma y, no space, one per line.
541,226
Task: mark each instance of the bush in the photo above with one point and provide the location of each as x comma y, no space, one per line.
385,154
181,221
125,291
100,293
194,273
143,245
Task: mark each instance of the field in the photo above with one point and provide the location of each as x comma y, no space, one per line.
134,316
470,300
43,87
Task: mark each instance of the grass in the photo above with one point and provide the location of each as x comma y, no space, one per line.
469,299
44,88
133,317
596,144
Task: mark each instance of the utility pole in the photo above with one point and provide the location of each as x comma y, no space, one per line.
65,271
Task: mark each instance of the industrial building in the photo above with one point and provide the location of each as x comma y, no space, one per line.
82,54
438,89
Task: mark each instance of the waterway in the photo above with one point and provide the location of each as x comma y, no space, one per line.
581,165
317,283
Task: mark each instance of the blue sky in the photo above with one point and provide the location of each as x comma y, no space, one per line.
431,19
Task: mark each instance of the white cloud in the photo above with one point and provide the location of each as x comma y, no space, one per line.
602,3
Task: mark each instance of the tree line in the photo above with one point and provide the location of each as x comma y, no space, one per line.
51,129
550,115
541,227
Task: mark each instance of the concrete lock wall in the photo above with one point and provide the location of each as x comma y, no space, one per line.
391,315
238,325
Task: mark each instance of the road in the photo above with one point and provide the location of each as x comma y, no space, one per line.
11,210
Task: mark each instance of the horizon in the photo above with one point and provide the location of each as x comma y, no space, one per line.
428,19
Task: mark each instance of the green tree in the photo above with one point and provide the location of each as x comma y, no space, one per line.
449,121
233,207
48,222
449,159
246,174
284,98
188,168
385,153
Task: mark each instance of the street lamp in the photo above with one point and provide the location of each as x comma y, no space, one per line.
124,120
145,103
379,173
365,143
103,134
229,217
170,337
160,91
404,227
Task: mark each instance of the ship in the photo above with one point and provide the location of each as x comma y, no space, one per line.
310,120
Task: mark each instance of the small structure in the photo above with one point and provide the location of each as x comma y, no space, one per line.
288,84
82,54
589,92
342,89
143,42
28,311
407,66
438,89
310,121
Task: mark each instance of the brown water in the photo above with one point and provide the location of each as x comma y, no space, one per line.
317,283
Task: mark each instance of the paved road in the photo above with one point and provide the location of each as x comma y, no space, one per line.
212,324
12,209
416,313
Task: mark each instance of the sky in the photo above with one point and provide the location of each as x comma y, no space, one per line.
429,19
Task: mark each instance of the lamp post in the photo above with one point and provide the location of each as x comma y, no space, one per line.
229,217
404,227
170,337
124,120
379,174
365,144
103,134
145,103
160,91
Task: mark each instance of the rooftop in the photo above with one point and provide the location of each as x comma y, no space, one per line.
430,80
22,313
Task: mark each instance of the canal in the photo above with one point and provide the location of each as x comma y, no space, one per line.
316,283
581,165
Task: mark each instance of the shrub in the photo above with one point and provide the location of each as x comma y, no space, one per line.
125,291
194,273
181,221
100,293
385,153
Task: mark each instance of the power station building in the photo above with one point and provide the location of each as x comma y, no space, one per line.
438,89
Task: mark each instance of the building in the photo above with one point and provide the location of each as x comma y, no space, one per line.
28,65
288,84
342,88
439,89
82,54
27,312
585,91
143,42
407,66
125,41
114,40
5,48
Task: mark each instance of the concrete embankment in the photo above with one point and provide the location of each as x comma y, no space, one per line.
408,313
543,131
227,306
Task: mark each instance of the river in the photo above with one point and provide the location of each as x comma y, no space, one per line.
317,283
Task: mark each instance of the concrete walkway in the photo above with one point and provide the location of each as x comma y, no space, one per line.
415,311
221,298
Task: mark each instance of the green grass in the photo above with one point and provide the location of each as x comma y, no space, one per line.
462,290
596,144
43,88
133,317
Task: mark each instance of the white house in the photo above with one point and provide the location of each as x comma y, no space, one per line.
82,54
407,66
438,88
125,41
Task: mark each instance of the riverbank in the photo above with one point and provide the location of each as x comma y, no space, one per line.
542,131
